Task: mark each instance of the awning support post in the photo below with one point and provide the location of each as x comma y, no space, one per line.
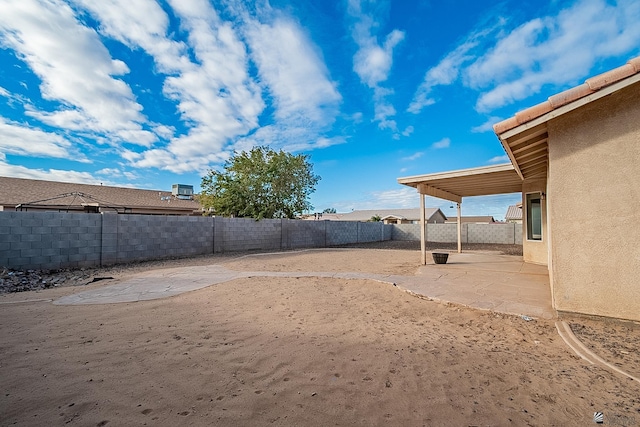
423,245
459,230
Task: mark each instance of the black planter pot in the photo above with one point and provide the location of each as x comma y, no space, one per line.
440,258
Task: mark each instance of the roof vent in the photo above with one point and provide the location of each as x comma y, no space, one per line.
181,191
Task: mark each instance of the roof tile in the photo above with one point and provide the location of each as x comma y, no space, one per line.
590,86
570,95
612,76
533,112
505,125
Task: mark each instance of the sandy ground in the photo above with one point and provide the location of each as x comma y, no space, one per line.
311,351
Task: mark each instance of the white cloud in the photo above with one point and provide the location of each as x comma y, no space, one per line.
75,69
555,50
22,140
118,172
444,73
373,61
293,72
507,65
486,126
215,96
443,143
15,171
387,199
407,131
500,159
414,156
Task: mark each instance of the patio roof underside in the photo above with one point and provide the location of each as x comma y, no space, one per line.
528,149
455,185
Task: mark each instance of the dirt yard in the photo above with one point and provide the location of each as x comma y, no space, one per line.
292,352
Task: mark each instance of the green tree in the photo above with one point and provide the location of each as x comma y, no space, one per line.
262,183
375,218
329,210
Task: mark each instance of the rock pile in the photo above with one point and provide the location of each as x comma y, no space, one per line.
33,280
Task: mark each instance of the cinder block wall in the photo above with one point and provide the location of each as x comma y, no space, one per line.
52,240
370,232
491,233
470,233
129,238
341,232
49,240
405,232
246,234
443,233
303,234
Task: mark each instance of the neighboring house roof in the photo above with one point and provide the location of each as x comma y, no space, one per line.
404,214
43,194
524,136
514,212
472,219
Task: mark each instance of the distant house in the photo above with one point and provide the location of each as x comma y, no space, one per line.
396,216
388,216
471,220
577,148
17,194
514,214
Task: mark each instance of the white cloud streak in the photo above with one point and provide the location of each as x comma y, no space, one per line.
414,156
217,98
486,126
21,140
208,76
443,143
49,174
75,68
500,159
373,61
505,66
554,50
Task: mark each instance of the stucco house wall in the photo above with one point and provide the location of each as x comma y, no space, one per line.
594,156
535,251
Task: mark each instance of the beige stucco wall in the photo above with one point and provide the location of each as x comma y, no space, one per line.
534,251
594,209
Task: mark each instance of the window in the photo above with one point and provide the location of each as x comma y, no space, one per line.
534,217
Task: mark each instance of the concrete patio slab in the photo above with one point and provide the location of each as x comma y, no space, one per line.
484,281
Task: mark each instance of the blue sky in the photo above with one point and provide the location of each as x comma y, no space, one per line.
147,94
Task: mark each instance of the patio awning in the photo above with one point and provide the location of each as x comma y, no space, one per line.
455,185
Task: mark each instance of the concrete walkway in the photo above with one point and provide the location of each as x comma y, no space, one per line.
499,283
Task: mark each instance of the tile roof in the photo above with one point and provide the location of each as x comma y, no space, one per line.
476,219
15,191
589,87
514,212
408,214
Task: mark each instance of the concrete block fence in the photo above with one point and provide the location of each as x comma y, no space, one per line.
509,233
52,240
